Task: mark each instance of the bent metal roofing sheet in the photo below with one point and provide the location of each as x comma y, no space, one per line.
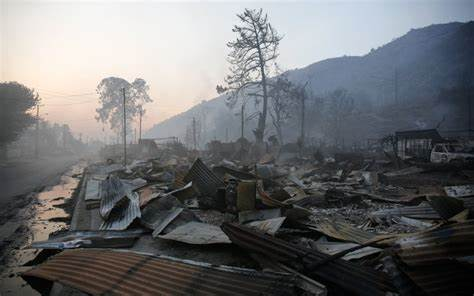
128,273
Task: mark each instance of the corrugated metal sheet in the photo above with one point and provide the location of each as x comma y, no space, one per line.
164,220
92,190
347,275
112,192
332,248
404,285
445,206
148,193
344,231
269,201
444,243
124,214
423,211
205,180
197,233
161,214
247,216
90,239
269,226
446,278
106,272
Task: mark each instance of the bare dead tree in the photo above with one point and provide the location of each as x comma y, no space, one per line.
300,96
282,100
250,59
341,106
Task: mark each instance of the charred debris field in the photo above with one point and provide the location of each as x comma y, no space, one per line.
283,224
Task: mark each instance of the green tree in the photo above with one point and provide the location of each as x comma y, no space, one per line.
16,102
111,98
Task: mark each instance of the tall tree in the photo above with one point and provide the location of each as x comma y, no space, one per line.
111,98
282,100
16,100
341,106
252,59
300,94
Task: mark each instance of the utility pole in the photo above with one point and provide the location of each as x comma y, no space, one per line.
140,127
194,132
302,93
124,130
37,132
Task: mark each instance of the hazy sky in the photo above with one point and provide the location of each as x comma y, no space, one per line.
64,48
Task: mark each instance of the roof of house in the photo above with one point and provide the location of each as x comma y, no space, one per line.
420,134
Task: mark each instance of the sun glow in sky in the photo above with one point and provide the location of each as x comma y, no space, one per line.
63,49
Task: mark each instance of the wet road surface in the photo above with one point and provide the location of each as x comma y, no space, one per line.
25,176
35,222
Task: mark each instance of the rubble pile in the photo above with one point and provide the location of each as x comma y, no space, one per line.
299,226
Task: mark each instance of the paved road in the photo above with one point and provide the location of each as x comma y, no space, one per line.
23,177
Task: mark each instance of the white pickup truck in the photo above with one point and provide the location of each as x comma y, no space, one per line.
451,153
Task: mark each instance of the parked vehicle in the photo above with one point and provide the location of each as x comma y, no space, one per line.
451,153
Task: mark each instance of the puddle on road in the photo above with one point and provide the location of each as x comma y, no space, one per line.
45,216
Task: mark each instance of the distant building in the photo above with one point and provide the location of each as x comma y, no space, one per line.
417,143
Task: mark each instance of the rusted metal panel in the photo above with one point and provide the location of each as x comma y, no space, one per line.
443,243
246,191
107,272
349,276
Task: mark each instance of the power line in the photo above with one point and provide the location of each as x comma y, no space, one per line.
56,93
69,98
75,103
74,95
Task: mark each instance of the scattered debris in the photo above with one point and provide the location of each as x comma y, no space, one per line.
459,191
246,216
331,248
197,233
346,224
351,277
269,226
